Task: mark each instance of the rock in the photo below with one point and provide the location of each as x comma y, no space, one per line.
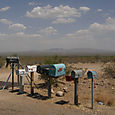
84,82
60,93
65,89
112,88
52,91
96,83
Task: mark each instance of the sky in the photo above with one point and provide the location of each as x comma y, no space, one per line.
31,25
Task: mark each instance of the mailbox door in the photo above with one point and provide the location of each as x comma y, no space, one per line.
89,74
60,70
94,74
73,74
57,70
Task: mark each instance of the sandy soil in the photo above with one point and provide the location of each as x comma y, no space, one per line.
11,103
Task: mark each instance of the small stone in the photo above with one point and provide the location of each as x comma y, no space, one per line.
112,88
60,93
52,91
96,83
84,81
65,89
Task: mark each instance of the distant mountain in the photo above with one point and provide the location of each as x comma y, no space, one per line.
64,52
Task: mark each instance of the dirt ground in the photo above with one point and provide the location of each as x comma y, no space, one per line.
104,90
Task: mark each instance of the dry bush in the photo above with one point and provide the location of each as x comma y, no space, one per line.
106,99
111,101
109,70
101,98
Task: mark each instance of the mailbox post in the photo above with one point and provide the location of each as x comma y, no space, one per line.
31,70
75,74
32,82
55,71
12,61
49,87
22,73
91,75
12,76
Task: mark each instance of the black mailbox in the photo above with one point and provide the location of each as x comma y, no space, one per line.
10,60
43,69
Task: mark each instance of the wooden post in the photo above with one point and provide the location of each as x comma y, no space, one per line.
32,83
18,80
92,91
49,87
12,76
21,90
75,93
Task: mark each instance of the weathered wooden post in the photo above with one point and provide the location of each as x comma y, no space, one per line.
55,71
21,73
12,76
31,70
49,87
32,82
76,93
12,61
18,81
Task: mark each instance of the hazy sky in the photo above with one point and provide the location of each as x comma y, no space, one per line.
44,24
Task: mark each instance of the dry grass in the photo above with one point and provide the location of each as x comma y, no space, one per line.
106,99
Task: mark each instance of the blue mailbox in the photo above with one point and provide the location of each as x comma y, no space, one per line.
92,74
57,70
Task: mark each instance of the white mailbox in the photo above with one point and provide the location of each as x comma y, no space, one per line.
31,68
21,72
76,73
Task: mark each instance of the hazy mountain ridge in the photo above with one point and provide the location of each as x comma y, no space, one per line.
65,52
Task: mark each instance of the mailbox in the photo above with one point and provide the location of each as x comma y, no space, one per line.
31,68
21,72
10,60
43,69
57,70
76,74
92,74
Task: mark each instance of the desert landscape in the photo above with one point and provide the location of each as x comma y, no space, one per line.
27,104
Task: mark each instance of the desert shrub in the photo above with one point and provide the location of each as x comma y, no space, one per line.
109,70
106,99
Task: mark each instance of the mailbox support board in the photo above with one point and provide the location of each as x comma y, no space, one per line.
49,87
75,93
32,82
13,61
21,90
92,91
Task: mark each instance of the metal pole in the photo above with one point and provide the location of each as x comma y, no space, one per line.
32,83
49,87
92,92
12,76
76,95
